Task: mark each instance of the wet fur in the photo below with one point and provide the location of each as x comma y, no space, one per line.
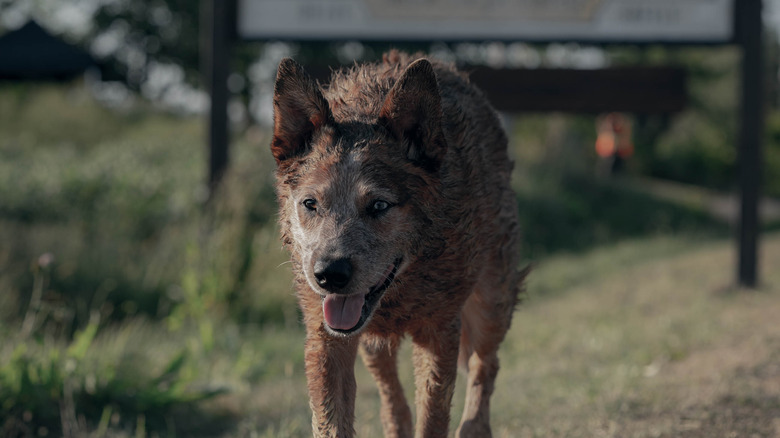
418,135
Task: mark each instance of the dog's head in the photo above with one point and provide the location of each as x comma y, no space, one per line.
352,191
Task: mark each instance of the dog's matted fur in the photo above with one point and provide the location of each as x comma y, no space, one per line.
395,204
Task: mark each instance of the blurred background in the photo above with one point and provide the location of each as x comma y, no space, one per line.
136,301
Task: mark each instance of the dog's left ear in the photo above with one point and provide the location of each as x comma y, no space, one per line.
299,110
412,113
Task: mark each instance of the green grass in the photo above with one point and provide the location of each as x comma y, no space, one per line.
103,227
129,308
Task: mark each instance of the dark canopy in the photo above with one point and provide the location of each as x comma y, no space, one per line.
32,53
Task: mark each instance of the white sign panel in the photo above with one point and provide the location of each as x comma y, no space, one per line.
534,20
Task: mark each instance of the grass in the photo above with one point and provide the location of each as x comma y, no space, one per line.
628,346
129,308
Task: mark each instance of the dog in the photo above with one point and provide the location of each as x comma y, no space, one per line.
393,183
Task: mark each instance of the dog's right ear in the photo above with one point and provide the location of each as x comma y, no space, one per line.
299,110
412,113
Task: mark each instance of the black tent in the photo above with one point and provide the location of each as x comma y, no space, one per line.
32,53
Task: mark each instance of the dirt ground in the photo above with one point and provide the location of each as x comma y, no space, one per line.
663,347
728,391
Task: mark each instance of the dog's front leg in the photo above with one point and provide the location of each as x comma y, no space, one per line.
435,358
330,371
381,361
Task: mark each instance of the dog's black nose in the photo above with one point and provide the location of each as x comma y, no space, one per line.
333,274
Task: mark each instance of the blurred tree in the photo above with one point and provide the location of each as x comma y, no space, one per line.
135,35
698,145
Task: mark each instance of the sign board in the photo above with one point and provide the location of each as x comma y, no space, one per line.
683,21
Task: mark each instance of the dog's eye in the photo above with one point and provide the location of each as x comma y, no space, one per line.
378,206
310,204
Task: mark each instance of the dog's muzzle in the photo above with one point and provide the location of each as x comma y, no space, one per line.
346,314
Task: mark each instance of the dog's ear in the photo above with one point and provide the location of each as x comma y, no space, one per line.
299,110
412,113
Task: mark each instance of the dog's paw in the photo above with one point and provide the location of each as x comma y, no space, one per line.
473,429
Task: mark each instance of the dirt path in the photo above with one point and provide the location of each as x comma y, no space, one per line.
663,348
731,389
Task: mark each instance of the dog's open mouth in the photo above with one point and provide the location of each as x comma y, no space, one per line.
346,314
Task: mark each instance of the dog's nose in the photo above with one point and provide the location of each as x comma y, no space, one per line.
333,274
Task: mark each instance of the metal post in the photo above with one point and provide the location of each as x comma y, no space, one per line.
218,69
750,138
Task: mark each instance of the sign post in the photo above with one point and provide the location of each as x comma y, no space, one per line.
749,26
218,52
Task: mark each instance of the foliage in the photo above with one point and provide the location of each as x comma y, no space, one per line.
565,208
148,32
51,386
583,213
99,210
697,146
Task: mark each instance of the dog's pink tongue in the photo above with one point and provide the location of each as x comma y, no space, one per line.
342,312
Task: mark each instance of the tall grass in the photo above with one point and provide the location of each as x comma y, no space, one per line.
116,280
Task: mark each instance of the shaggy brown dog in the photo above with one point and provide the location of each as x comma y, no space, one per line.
393,185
